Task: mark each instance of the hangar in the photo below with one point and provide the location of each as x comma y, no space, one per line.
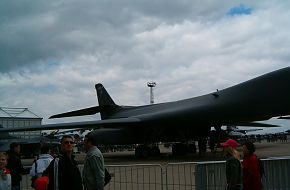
20,117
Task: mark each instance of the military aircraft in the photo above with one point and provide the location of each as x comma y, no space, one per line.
236,132
271,131
29,147
257,99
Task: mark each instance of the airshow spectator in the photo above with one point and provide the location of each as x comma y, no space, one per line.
94,168
15,166
251,168
63,171
233,165
41,163
5,177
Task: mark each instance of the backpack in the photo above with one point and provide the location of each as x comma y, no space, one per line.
33,178
41,183
51,172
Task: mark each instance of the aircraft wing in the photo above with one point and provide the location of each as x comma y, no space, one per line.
284,117
258,99
87,111
108,123
256,124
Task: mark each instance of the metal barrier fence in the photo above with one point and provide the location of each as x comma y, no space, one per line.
186,176
211,176
181,176
137,176
277,174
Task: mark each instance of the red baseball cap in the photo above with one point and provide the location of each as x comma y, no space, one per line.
230,143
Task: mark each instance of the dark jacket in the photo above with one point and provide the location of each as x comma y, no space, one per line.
233,173
69,176
16,168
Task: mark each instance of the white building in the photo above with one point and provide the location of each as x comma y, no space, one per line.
20,117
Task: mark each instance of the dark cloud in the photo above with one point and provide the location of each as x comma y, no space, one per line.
57,50
34,33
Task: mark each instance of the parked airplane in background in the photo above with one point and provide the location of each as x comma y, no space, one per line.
29,147
58,134
236,132
271,131
258,99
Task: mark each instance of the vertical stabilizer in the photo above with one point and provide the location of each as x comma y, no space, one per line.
106,103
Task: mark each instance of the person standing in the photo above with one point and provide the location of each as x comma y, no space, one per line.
251,168
233,165
63,171
42,161
5,177
94,168
39,166
15,166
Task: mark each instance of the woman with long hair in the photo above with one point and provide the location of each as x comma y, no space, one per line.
233,165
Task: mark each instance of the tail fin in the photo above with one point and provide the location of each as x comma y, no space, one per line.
106,103
106,107
103,96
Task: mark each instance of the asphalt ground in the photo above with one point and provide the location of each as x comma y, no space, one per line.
126,169
263,150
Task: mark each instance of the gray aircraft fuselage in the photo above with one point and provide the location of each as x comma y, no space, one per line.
257,99
254,100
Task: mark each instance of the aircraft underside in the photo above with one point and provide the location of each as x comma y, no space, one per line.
184,120
147,139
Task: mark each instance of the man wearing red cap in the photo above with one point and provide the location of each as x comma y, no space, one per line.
233,165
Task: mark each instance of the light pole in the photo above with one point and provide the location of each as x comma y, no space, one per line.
151,85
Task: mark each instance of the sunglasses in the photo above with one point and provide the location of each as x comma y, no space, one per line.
68,142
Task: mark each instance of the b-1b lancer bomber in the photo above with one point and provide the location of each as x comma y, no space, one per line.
258,99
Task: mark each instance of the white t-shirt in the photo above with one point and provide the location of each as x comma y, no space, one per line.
43,162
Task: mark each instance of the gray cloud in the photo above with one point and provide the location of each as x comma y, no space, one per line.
53,52
35,32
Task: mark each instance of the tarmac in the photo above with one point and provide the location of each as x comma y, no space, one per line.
133,173
273,149
263,150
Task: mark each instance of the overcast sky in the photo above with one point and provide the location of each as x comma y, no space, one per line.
52,53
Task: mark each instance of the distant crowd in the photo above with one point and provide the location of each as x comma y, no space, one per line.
267,138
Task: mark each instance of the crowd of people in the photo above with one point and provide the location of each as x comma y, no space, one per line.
268,138
245,175
61,172
55,172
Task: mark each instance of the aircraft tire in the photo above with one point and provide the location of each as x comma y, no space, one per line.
142,151
191,148
155,151
179,149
